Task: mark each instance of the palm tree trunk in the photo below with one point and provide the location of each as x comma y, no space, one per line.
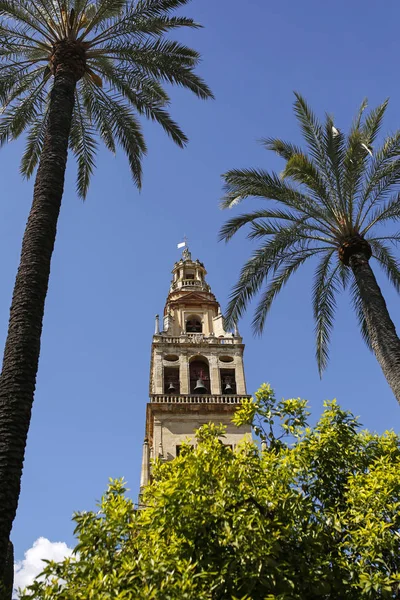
381,329
21,354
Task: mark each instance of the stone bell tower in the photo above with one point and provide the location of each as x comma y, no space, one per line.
196,369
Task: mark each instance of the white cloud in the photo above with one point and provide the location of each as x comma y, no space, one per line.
27,569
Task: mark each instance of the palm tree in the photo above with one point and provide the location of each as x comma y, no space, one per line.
328,203
72,72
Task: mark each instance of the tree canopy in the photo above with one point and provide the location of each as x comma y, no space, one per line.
333,200
312,514
122,58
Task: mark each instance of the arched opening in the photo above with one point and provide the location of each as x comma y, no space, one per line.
228,381
193,324
171,380
199,376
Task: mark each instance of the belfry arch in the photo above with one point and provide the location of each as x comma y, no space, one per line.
199,375
194,324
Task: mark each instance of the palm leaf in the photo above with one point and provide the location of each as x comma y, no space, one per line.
334,143
390,265
389,211
358,308
146,97
373,123
287,268
354,162
105,10
34,146
84,146
283,246
313,134
240,184
302,170
283,149
19,116
324,304
21,14
132,26
125,128
233,225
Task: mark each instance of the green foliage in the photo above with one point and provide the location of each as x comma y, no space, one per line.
336,187
127,59
264,412
313,517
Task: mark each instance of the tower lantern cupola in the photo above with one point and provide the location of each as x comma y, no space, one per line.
196,372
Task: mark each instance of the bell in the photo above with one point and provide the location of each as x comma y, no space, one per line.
171,388
200,388
228,387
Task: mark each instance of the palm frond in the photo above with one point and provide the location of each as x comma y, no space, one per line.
251,277
105,10
344,275
283,149
150,8
303,231
389,211
313,134
18,86
358,309
286,269
244,183
98,114
164,60
125,128
20,115
325,289
335,147
382,175
393,238
83,144
19,11
147,97
132,26
302,170
283,246
233,225
390,265
373,123
34,145
354,163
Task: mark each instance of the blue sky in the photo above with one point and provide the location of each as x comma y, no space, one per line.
114,253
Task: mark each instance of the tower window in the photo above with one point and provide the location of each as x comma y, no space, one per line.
171,380
179,448
199,377
193,325
228,381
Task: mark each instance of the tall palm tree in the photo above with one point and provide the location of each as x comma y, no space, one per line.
72,72
328,203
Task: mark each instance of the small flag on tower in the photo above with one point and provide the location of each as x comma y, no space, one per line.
181,244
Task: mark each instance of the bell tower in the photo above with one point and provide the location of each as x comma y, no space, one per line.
196,368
